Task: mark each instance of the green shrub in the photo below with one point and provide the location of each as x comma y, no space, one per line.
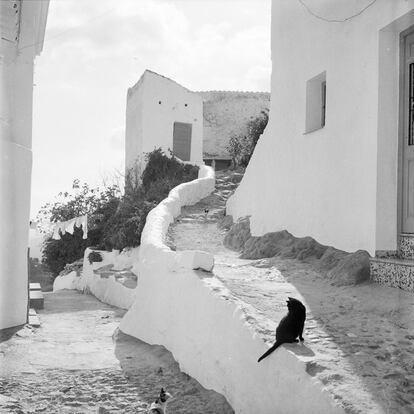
114,221
57,253
241,147
124,228
160,176
160,166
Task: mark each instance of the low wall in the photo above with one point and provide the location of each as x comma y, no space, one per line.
107,290
160,218
212,335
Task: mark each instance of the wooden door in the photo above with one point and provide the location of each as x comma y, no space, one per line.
182,140
408,136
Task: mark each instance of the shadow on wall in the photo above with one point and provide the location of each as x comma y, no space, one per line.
63,302
152,367
340,267
6,334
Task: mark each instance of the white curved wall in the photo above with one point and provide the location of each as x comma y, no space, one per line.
197,319
207,331
212,335
107,290
337,184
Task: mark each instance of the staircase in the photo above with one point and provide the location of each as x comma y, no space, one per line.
395,269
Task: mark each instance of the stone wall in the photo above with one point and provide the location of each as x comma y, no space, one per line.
227,114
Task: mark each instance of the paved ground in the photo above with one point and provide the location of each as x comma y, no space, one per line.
361,337
77,362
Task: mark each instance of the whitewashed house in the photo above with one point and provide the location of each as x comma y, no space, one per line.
336,161
22,25
162,114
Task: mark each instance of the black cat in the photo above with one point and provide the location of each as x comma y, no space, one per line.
290,327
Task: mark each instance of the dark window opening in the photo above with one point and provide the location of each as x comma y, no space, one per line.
323,109
411,105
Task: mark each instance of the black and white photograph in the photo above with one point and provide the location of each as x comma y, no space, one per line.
207,206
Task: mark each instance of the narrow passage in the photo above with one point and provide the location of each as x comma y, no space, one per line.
78,362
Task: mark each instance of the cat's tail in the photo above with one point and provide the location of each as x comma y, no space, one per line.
270,350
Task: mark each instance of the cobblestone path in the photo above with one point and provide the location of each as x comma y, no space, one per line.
78,362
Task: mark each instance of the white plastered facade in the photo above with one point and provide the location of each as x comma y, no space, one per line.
154,104
339,183
22,27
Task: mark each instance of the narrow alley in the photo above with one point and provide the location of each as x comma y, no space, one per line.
78,362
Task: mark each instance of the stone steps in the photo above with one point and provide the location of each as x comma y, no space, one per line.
35,286
33,318
393,272
406,246
396,269
36,299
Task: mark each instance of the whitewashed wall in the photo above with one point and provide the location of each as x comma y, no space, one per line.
16,95
154,122
339,183
106,289
214,336
134,126
206,328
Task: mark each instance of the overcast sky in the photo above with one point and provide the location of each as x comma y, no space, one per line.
95,49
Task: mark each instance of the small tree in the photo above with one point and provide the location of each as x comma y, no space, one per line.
161,174
114,221
241,147
256,127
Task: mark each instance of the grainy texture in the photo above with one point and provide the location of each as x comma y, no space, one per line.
78,362
226,114
361,335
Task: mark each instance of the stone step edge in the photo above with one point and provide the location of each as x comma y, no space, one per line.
33,318
392,260
34,286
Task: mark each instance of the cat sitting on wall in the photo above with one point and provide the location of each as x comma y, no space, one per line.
290,327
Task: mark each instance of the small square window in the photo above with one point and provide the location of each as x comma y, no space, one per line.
316,103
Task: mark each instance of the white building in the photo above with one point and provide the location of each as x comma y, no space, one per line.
22,25
162,114
336,161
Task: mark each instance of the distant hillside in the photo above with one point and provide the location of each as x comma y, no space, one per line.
227,114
